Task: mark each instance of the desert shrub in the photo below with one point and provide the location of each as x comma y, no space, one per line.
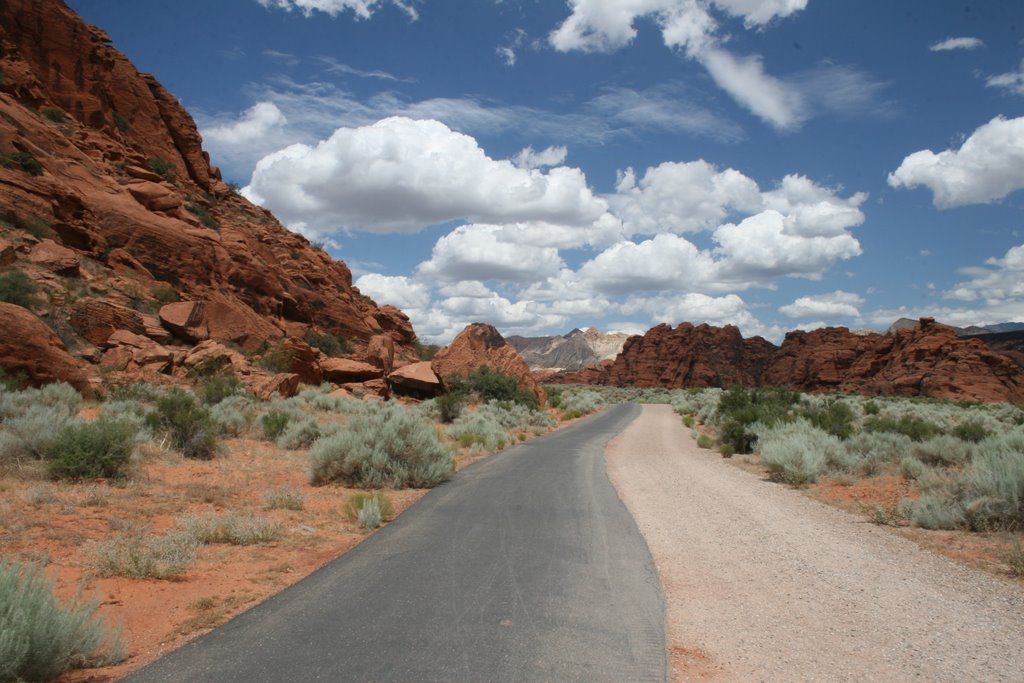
231,415
425,351
216,389
387,447
554,395
726,451
380,504
284,498
299,433
705,441
943,450
274,422
187,423
276,357
136,391
16,288
873,449
871,408
489,385
232,528
912,468
54,114
993,490
25,161
912,426
41,637
515,415
578,403
936,511
28,435
798,453
482,429
971,431
203,214
15,380
159,165
166,294
740,408
688,421
91,450
137,554
330,344
449,406
121,123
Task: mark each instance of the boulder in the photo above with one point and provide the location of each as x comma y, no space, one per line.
266,387
28,346
220,319
210,357
146,354
482,345
381,352
416,379
8,254
97,319
154,196
346,370
55,258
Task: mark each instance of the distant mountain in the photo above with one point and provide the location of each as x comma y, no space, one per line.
569,352
970,331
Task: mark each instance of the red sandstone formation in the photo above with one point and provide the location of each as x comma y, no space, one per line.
687,356
481,344
29,347
121,210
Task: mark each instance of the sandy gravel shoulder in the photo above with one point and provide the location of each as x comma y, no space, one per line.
764,584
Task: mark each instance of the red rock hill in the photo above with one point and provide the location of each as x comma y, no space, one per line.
110,206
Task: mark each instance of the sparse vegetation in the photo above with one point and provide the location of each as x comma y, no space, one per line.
425,351
276,357
485,384
216,389
16,288
284,498
41,637
232,528
203,214
137,554
187,424
35,226
23,160
121,123
369,509
159,165
54,114
330,344
91,450
274,422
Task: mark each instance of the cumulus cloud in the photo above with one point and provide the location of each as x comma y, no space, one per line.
1000,281
681,197
963,43
396,290
665,262
363,9
811,210
988,166
837,304
689,25
552,156
478,252
255,124
1012,81
400,175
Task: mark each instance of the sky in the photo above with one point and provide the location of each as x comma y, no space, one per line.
543,165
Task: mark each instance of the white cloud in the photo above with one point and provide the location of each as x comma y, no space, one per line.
363,9
1013,81
767,97
665,262
988,166
999,281
399,175
760,249
507,54
478,252
335,67
760,12
255,124
681,197
964,43
665,107
836,304
397,290
811,210
552,156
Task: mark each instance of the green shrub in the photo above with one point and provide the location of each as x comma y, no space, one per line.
12,380
216,389
274,422
91,450
299,433
159,165
480,428
16,288
358,502
42,637
739,408
34,225
277,357
688,421
971,431
188,424
137,554
28,163
54,114
726,450
705,441
798,453
916,428
166,294
944,450
425,351
488,385
28,434
390,446
203,214
833,416
578,403
121,123
330,344
232,528
450,406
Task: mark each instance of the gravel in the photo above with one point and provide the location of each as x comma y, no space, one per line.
763,584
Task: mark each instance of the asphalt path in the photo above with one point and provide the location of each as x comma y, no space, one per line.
526,566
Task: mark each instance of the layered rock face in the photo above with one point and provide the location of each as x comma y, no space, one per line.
686,356
928,359
106,194
572,351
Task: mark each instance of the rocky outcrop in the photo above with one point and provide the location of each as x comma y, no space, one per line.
928,359
121,206
29,348
416,379
482,345
572,351
686,356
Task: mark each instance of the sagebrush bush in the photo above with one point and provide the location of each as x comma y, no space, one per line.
41,637
973,431
28,435
91,450
388,447
480,428
366,508
16,288
705,441
187,423
833,416
284,498
798,453
232,528
487,385
137,554
578,403
299,433
450,406
232,415
943,450
912,426
274,422
216,389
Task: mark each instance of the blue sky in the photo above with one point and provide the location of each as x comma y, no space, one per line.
544,165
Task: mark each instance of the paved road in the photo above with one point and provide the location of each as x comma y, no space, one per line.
524,567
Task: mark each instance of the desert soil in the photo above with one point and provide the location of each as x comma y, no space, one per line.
763,583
